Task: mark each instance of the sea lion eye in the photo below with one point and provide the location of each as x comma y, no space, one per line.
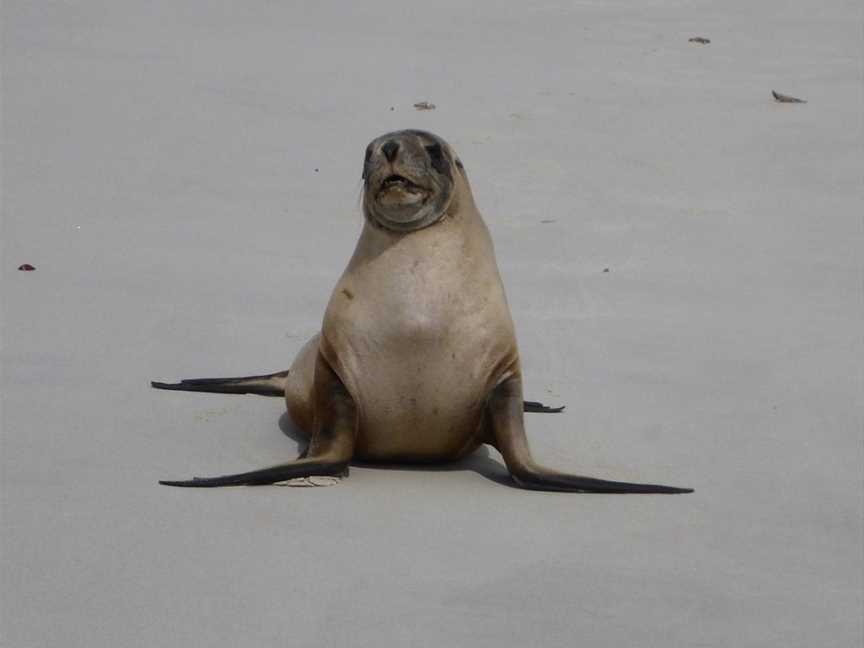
434,151
436,157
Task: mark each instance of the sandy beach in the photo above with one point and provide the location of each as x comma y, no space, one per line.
682,255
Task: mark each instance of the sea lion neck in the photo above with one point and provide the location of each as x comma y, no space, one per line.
460,234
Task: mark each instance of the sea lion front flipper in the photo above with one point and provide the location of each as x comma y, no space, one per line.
308,467
330,449
508,429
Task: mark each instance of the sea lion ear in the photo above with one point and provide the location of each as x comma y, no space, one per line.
366,161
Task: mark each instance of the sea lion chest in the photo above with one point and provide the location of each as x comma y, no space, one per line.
419,333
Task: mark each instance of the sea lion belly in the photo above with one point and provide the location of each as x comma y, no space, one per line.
418,399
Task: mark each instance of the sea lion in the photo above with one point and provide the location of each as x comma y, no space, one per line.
417,359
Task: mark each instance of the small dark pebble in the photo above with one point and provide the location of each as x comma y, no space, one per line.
392,108
316,170
26,267
605,269
700,39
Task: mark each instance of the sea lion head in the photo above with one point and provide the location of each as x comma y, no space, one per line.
410,177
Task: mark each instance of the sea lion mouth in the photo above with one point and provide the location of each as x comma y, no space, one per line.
398,193
396,181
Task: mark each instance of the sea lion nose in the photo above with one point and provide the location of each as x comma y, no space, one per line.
390,149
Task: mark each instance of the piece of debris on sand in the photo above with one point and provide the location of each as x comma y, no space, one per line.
786,98
424,105
312,481
701,40
26,267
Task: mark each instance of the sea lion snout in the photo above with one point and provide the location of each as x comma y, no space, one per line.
389,149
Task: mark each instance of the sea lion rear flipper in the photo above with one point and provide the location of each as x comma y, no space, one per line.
266,385
536,407
330,449
505,415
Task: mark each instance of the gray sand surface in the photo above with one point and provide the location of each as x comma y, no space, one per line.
185,179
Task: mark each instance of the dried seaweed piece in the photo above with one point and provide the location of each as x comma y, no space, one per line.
786,98
26,267
700,39
424,105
